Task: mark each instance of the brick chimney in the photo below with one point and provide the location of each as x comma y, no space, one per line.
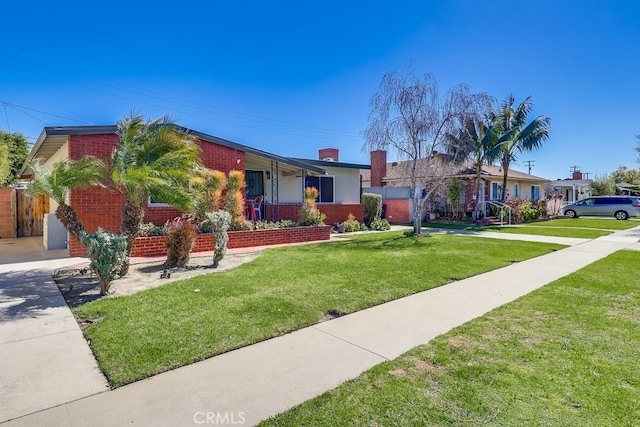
576,175
329,154
378,167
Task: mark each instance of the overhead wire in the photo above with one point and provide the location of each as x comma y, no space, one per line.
328,133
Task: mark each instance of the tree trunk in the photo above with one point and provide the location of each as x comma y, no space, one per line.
505,174
69,218
132,216
417,211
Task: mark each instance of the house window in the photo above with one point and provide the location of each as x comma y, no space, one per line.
496,190
516,191
535,192
155,203
325,187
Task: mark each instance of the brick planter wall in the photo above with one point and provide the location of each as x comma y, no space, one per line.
154,246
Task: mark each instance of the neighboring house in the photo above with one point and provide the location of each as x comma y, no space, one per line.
572,189
281,180
391,180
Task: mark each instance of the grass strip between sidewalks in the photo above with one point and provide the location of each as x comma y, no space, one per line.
566,354
283,290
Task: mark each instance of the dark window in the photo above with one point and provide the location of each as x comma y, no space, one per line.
324,185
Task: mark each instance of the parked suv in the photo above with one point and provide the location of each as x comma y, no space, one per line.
620,207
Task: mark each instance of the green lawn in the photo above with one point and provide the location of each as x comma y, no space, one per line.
564,355
600,223
585,228
284,289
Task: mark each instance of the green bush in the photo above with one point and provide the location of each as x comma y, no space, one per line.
107,253
352,224
150,229
523,210
181,235
372,206
380,224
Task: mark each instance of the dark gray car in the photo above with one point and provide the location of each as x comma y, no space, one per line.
619,207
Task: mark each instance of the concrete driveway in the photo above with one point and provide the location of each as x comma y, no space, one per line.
45,359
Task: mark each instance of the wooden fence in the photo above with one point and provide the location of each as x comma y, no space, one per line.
21,215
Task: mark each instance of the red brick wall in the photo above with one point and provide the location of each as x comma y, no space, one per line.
154,246
334,213
98,207
397,210
378,167
8,222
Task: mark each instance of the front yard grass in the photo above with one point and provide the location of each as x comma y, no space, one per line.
283,290
564,355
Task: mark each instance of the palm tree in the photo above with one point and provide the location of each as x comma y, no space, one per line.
516,135
481,137
64,176
154,160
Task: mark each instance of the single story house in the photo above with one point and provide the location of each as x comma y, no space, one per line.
280,180
391,180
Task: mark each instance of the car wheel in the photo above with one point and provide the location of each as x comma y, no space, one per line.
621,215
571,214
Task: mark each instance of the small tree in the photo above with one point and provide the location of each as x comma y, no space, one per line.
454,191
409,116
372,206
14,154
107,253
220,222
603,185
309,214
64,176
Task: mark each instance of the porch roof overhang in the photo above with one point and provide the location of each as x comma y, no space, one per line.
52,138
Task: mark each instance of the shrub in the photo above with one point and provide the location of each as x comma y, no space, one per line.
372,206
181,235
523,210
150,229
220,222
352,224
380,225
107,253
309,214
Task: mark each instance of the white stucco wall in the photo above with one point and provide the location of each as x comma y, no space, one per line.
62,153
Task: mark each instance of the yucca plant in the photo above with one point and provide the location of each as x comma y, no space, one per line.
234,202
207,187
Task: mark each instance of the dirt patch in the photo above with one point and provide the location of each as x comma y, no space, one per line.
80,286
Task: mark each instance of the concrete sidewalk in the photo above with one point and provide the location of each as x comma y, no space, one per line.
45,359
255,382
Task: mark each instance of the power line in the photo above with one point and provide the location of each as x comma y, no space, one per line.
337,134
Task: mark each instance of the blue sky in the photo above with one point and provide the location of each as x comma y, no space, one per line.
291,77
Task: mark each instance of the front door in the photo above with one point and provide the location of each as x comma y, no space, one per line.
255,186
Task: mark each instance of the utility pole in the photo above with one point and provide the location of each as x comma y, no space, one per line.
529,164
